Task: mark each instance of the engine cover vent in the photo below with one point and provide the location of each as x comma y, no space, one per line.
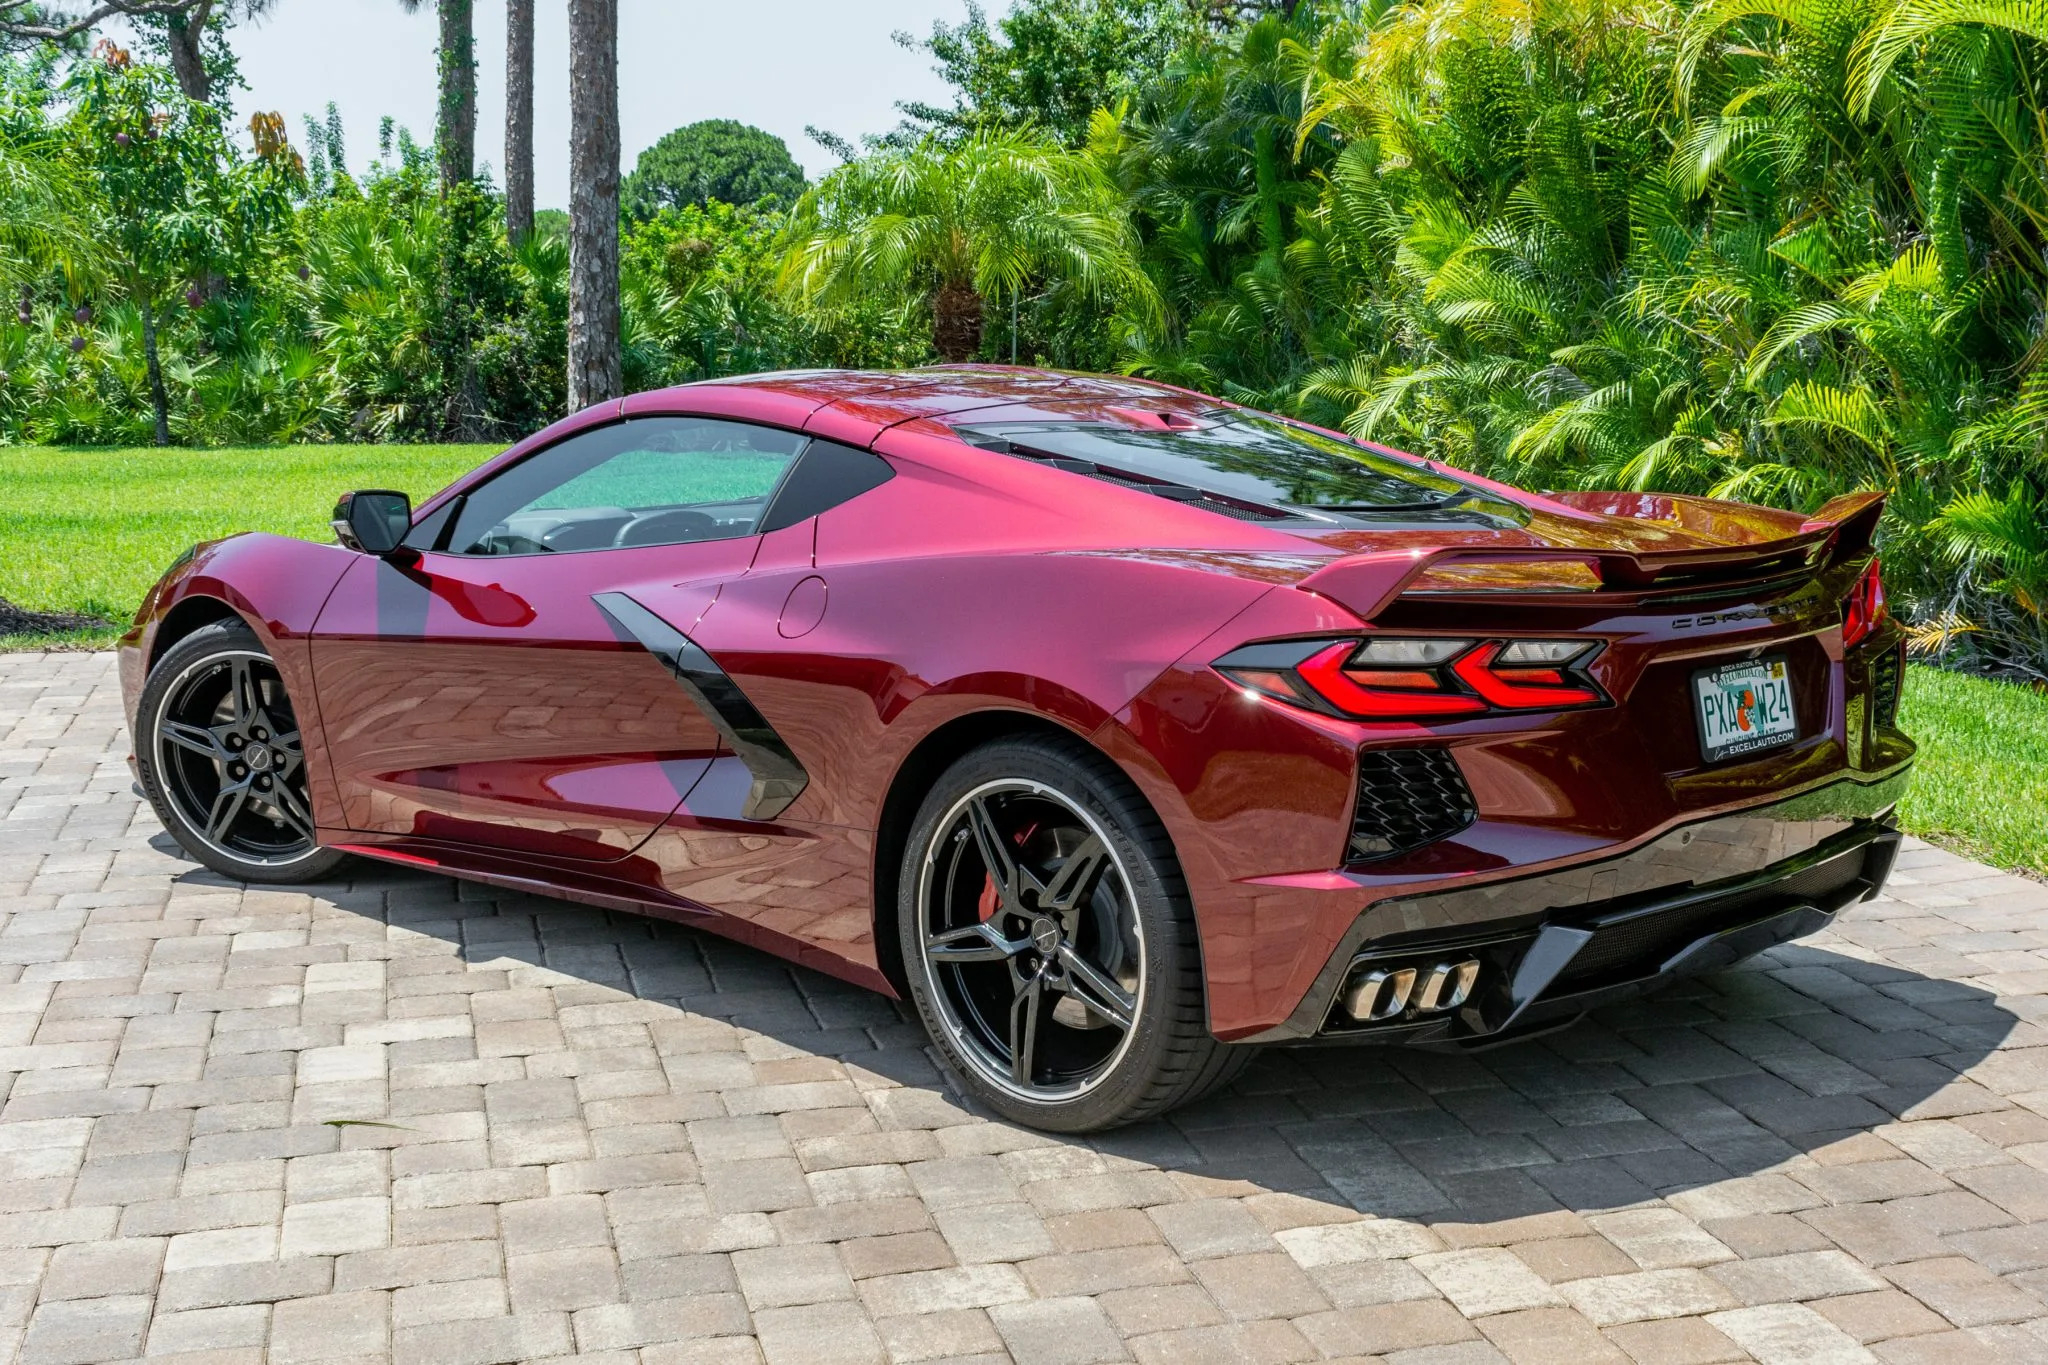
1408,798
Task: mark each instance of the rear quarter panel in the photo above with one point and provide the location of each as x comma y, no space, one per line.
906,645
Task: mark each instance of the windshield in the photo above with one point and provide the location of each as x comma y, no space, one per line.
1239,455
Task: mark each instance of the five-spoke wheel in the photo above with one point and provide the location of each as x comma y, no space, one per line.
1048,941
222,761
1030,938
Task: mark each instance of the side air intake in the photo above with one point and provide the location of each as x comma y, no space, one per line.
1408,798
1884,690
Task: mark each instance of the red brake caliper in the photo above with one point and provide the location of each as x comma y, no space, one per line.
989,902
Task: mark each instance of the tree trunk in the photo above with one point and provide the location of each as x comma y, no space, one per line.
466,218
455,121
518,119
182,34
158,399
594,369
956,322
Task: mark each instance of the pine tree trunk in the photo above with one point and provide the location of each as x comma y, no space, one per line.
518,119
466,220
455,122
158,398
594,368
956,322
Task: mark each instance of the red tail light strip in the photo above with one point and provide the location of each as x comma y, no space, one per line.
1379,679
1863,608
1325,673
1475,671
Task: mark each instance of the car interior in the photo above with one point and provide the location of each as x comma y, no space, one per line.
649,481
544,530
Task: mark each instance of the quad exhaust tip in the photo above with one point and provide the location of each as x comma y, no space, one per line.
1387,992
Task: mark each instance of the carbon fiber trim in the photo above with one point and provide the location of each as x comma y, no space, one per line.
778,777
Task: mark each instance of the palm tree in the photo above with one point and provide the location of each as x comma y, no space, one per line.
961,224
41,213
455,116
1222,171
518,119
594,361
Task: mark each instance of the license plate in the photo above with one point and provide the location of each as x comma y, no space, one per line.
1744,708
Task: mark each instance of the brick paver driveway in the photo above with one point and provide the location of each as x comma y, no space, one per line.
402,1118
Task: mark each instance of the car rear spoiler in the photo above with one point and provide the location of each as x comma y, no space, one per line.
1367,583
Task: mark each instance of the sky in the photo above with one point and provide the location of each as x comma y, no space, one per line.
777,64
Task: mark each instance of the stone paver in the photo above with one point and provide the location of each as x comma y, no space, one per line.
396,1118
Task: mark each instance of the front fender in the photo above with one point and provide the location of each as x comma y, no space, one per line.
277,585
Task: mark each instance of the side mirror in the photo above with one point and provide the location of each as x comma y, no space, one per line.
373,520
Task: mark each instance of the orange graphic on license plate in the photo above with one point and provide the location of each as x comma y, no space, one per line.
1744,708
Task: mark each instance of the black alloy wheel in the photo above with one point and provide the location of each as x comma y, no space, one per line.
1049,944
222,759
1031,940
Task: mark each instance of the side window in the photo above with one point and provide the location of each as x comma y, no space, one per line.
827,475
649,481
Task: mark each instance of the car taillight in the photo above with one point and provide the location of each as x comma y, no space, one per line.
1521,689
1863,608
1372,692
1420,678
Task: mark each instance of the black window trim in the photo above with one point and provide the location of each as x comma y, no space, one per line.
795,465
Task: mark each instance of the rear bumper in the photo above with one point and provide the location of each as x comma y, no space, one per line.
1554,945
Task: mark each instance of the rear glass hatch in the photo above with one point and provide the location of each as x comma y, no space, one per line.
1247,466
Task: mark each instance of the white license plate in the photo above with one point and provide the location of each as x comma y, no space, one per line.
1744,708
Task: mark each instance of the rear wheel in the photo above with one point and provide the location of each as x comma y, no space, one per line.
1049,943
221,759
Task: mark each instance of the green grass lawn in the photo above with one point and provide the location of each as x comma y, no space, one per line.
1981,786
90,530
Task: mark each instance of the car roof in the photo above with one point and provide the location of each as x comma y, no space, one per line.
886,397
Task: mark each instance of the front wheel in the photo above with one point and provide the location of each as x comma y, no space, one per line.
1049,943
218,749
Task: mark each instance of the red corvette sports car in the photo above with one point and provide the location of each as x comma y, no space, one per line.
1117,727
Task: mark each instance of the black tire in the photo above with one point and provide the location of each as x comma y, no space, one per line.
217,749
1106,932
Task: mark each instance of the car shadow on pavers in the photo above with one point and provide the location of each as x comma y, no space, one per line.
1725,1078
607,1133
1759,1161
1763,1089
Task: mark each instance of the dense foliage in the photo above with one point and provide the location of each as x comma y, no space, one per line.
291,301
964,225
1047,64
1769,249
717,160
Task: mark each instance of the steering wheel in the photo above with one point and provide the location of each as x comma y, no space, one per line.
510,543
674,526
